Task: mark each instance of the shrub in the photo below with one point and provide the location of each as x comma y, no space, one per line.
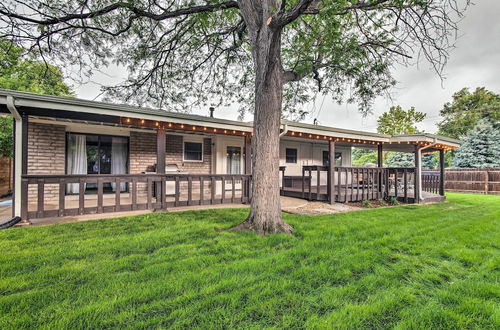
366,203
382,202
394,201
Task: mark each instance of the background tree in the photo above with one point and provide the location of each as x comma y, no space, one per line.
480,148
398,121
466,109
400,159
267,55
363,156
429,161
27,75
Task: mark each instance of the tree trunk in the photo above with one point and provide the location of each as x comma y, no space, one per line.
265,213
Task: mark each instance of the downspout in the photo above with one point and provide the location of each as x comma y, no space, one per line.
18,148
419,156
285,130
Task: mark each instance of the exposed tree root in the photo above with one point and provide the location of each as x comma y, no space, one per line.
263,227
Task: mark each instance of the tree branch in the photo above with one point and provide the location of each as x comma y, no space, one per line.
124,5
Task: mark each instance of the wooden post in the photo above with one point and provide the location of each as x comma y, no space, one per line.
417,176
441,172
248,164
380,164
161,141
331,172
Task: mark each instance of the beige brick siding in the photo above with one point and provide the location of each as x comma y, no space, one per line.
46,155
143,153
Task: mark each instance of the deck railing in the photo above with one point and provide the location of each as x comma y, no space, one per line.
431,182
144,192
353,184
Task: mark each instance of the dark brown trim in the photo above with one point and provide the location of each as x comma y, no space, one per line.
70,115
24,168
417,176
441,172
331,171
161,140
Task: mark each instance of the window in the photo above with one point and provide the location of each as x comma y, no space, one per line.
326,156
193,151
233,160
291,155
96,154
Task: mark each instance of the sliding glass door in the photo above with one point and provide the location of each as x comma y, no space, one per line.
96,154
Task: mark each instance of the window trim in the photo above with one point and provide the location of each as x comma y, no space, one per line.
296,156
184,141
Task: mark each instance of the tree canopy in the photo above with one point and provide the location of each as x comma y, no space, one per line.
27,75
181,54
466,109
398,121
480,148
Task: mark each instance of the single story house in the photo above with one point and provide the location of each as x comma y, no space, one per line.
75,157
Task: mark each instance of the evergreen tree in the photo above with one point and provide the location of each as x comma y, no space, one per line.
429,161
480,148
401,159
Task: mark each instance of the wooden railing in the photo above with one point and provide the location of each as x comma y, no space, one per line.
358,183
400,182
431,182
353,184
144,192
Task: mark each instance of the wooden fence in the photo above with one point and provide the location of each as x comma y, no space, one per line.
6,166
474,180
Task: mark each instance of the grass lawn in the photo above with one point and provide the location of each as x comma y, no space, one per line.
434,266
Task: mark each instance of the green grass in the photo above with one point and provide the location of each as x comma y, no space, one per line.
434,266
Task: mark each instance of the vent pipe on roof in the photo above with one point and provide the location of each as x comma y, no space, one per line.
212,109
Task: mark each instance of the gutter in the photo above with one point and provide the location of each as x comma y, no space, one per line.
12,107
285,130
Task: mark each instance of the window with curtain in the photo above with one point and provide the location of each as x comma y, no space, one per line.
96,154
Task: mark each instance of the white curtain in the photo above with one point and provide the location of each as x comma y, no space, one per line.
119,159
77,159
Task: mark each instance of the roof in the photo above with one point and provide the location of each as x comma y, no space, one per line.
50,102
72,103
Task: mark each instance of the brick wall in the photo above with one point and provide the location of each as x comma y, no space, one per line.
46,155
143,153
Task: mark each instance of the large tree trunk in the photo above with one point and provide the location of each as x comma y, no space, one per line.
265,213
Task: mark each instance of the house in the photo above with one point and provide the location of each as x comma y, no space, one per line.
76,157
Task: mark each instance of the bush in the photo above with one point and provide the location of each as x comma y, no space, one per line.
366,203
394,201
382,202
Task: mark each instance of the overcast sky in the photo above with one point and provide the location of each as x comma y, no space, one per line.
474,63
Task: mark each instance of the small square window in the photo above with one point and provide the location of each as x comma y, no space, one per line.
291,155
193,151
